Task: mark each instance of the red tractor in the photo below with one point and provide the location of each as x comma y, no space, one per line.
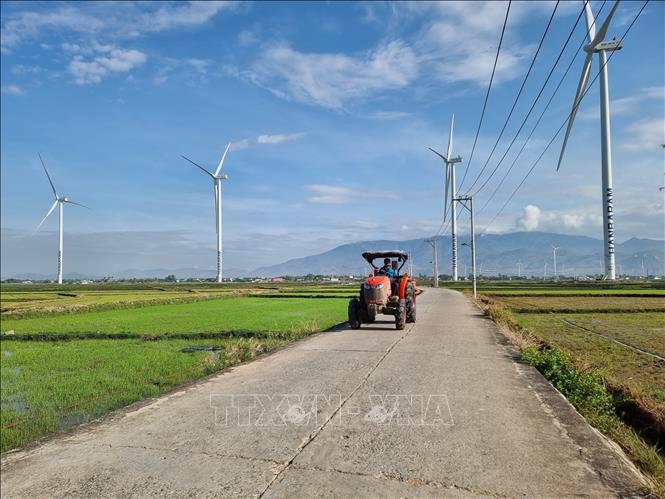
385,291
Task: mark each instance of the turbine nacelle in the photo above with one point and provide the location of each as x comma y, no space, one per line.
216,174
610,45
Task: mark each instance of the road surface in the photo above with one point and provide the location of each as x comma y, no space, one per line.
440,409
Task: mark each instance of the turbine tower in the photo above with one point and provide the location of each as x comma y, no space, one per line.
452,189
217,178
598,45
60,203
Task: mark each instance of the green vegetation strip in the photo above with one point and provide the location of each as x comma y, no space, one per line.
75,308
559,310
49,387
208,316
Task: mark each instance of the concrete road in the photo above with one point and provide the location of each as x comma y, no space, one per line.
440,409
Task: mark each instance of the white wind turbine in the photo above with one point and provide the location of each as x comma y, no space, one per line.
60,203
597,44
452,189
217,181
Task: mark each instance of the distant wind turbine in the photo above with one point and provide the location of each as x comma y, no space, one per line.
597,44
60,203
217,178
451,193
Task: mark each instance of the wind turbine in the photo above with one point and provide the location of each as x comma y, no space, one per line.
217,178
452,188
60,203
597,44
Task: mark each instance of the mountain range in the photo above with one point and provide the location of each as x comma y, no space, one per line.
525,253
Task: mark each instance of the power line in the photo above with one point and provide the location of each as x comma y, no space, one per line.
487,95
517,97
563,77
540,93
564,122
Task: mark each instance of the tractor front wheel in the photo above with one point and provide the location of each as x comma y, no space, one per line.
354,313
400,316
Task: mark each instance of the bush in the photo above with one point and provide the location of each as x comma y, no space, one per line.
584,389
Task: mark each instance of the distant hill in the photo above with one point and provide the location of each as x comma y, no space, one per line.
496,253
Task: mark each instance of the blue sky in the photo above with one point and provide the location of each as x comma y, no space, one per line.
329,108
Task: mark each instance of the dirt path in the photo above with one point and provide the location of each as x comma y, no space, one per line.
441,408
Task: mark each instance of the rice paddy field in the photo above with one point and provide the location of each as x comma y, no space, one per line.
70,354
620,332
614,333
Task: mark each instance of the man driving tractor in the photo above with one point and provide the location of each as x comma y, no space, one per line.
389,268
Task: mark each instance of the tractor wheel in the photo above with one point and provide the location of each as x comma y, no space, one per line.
410,296
365,317
400,317
354,313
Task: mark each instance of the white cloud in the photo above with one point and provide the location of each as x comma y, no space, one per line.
389,115
22,69
248,37
457,43
111,19
111,60
332,194
239,145
192,68
459,39
645,135
331,80
533,218
276,139
625,105
12,90
265,139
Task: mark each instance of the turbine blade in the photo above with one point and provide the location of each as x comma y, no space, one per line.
197,165
47,214
450,137
584,78
221,161
78,204
48,176
438,154
590,21
600,36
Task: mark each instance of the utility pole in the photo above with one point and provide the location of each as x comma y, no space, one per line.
435,260
554,249
463,201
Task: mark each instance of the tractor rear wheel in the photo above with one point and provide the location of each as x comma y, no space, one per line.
400,316
354,313
410,296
